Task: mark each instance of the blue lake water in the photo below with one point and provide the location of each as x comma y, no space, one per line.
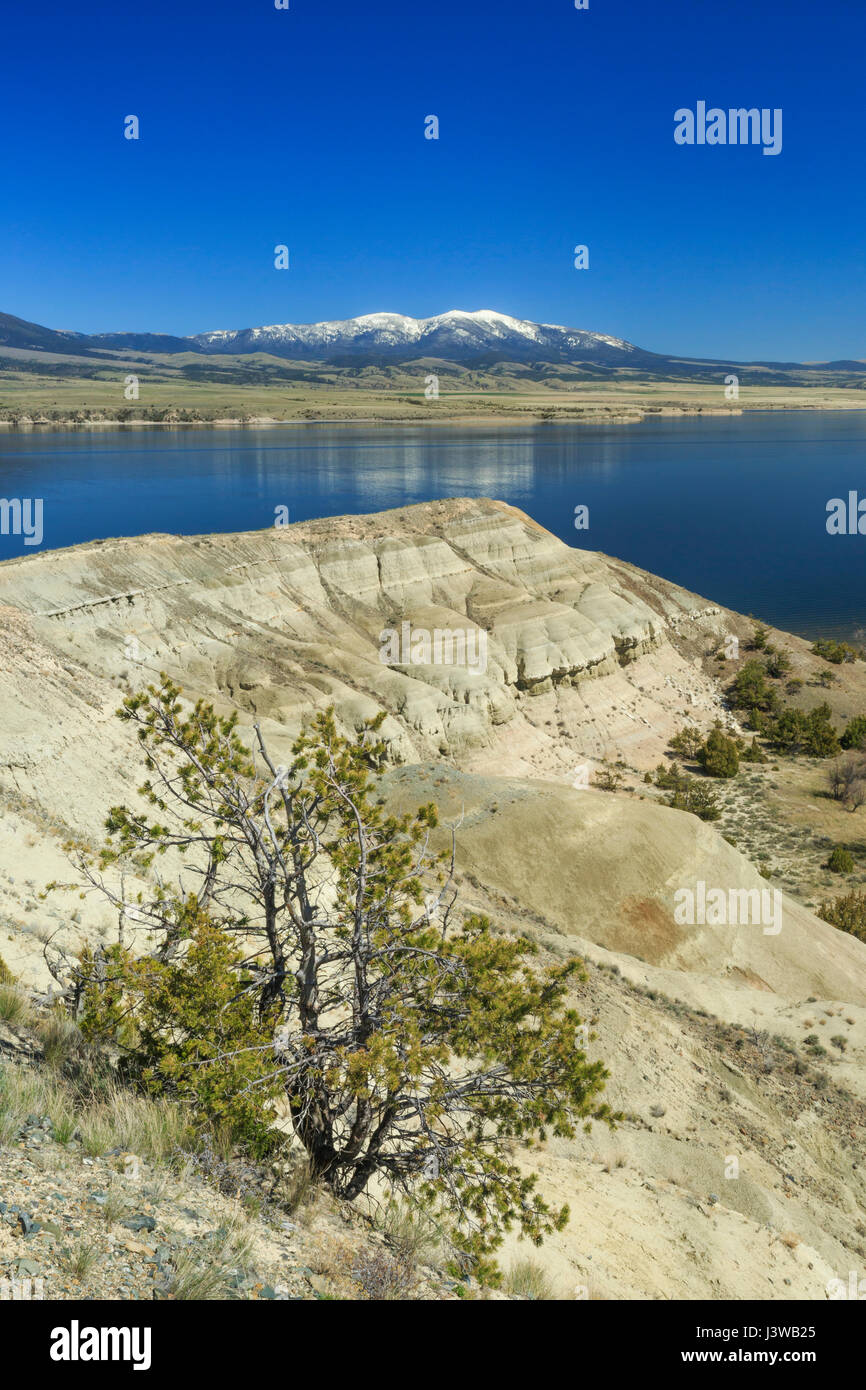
732,507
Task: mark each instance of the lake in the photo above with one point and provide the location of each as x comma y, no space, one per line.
732,507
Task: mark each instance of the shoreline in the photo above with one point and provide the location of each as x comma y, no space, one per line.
548,415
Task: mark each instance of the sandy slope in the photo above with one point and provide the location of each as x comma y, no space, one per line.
587,657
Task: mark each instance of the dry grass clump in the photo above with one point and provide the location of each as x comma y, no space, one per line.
111,1118
411,1232
14,1008
24,1091
526,1279
196,1280
81,1260
385,1276
296,1188
60,1038
152,1128
233,1242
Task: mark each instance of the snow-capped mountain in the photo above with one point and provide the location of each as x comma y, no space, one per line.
481,339
457,335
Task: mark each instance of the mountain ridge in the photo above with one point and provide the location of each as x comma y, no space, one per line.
479,337
461,333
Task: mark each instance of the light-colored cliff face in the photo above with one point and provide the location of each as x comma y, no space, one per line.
277,623
586,657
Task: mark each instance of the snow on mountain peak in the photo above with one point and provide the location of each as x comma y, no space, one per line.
456,332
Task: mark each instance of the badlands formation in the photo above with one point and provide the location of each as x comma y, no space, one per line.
736,1172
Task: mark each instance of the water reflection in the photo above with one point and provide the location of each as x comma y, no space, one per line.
733,508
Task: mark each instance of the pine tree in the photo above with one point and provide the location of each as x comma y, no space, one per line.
323,958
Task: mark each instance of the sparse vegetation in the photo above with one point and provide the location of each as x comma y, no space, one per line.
196,1280
777,663
848,913
526,1279
846,780
297,1185
753,753
13,1005
688,793
855,733
60,1038
610,776
841,860
81,1260
788,729
114,1205
836,652
383,1276
411,1231
796,732
688,742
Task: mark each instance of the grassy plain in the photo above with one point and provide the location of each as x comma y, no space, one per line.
51,389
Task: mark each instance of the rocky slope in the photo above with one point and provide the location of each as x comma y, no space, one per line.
279,622
102,1201
703,1028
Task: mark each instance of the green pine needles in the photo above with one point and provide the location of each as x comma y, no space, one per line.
321,970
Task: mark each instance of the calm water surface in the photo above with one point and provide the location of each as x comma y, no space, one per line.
734,508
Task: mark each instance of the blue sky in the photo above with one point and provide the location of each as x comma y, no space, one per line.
306,127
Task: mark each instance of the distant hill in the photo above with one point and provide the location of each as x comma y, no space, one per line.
18,333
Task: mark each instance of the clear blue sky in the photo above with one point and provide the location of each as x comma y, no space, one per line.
305,127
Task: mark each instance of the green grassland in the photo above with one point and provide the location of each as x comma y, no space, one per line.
47,388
